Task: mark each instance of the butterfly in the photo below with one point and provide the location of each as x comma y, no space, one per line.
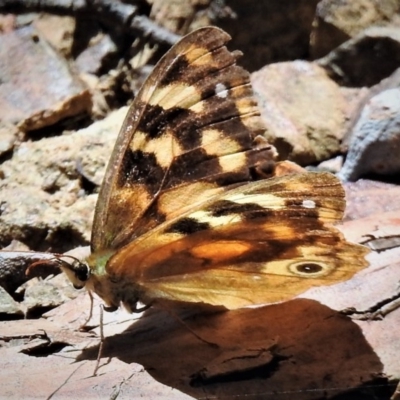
185,212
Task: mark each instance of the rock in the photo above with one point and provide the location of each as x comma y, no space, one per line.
269,31
375,141
47,293
19,265
8,305
303,109
42,194
371,298
333,165
337,21
58,30
93,59
7,22
366,59
14,263
37,88
367,198
180,16
9,136
355,99
360,100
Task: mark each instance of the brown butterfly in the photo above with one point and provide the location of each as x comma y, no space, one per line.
180,216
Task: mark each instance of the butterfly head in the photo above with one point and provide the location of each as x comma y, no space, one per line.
77,271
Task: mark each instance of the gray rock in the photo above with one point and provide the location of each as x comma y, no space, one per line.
375,141
8,305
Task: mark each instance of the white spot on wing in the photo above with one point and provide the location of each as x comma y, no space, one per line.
308,204
214,221
221,90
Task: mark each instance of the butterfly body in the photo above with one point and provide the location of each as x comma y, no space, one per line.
182,213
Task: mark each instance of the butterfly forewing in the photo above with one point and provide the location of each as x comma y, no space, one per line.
189,132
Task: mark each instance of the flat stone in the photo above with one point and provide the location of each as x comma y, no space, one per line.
37,88
303,109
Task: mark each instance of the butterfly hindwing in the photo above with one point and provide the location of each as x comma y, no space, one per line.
265,241
192,129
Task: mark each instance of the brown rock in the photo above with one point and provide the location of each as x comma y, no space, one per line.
269,31
337,21
37,88
371,298
366,197
358,62
303,109
7,23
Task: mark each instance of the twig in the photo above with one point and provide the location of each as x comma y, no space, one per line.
115,15
376,312
145,27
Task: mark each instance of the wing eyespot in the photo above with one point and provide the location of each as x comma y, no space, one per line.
309,269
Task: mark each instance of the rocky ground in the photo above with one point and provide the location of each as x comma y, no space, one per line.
326,75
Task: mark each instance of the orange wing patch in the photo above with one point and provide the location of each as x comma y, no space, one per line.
240,249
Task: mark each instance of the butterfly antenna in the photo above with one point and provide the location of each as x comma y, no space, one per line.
35,264
56,259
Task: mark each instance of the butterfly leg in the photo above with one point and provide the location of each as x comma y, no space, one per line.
101,346
110,308
102,339
135,309
84,327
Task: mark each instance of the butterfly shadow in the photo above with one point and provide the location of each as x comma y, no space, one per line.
298,348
